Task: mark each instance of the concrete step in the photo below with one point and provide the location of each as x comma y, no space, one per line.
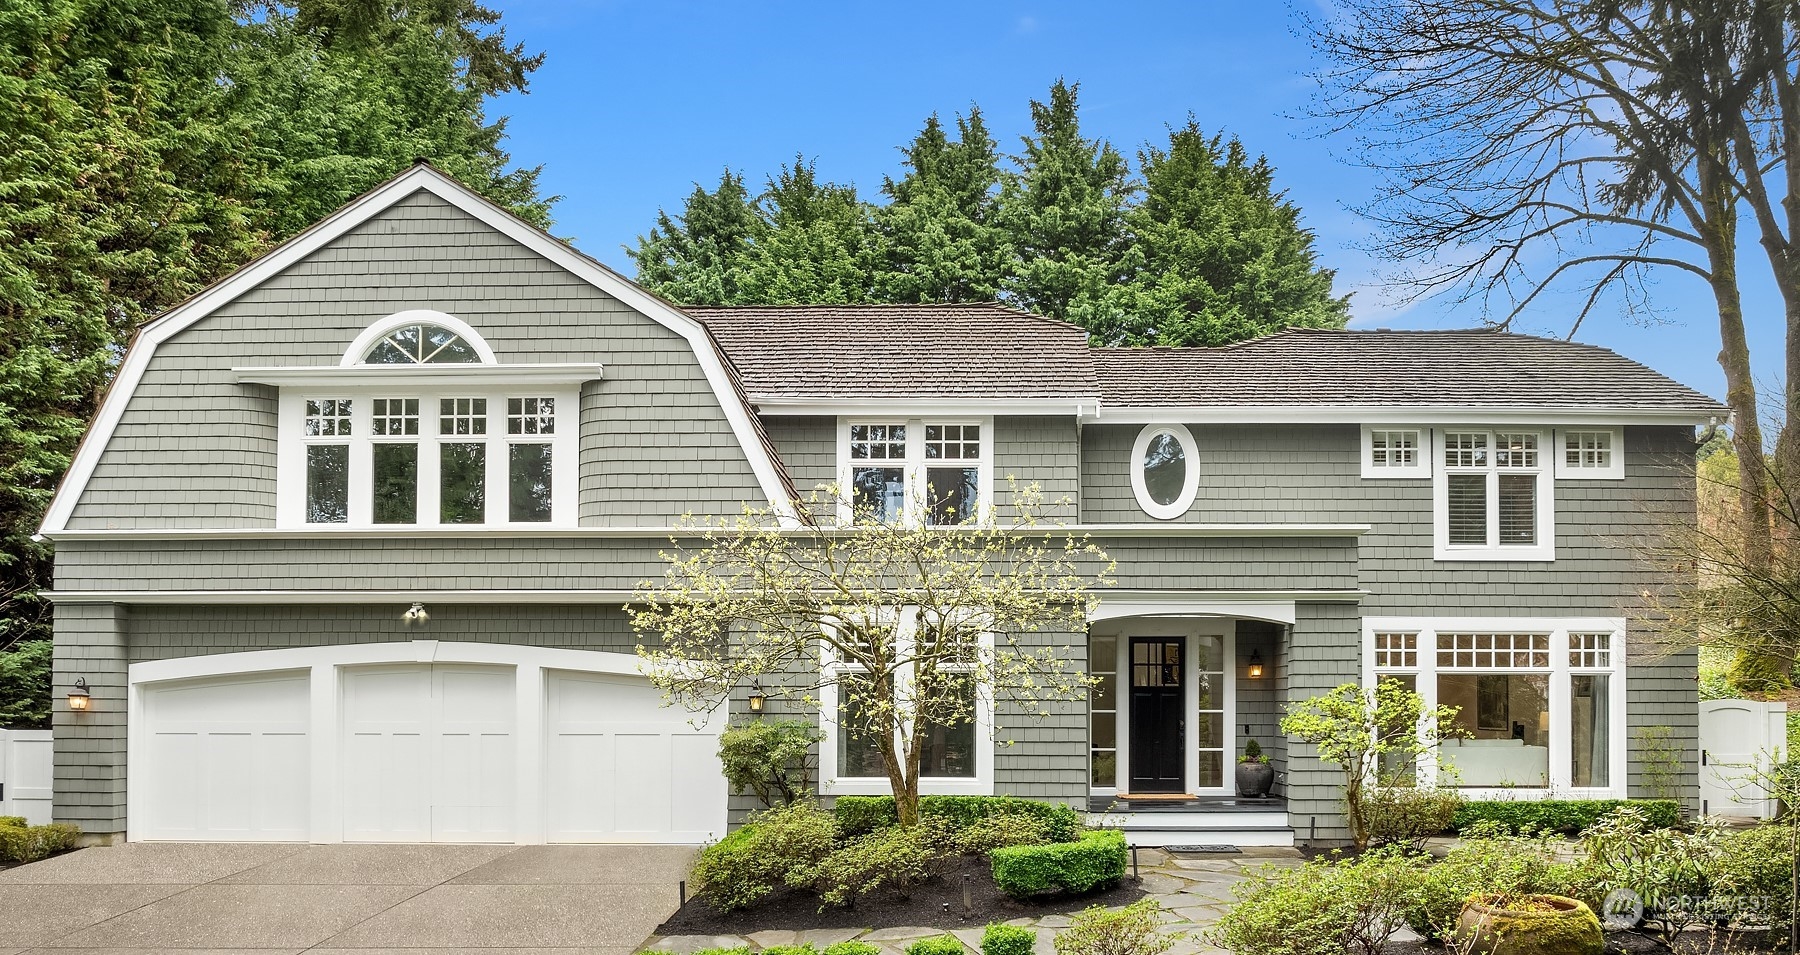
1198,828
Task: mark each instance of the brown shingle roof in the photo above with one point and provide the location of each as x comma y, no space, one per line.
902,351
1467,368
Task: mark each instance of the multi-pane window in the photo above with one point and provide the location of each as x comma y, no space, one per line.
462,465
326,430
528,461
1587,449
1484,650
421,344
1103,712
1396,651
900,470
1393,449
1492,495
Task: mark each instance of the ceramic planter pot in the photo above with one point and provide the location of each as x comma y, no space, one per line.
1254,779
1530,925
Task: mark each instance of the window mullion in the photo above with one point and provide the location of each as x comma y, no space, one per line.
362,466
915,471
430,512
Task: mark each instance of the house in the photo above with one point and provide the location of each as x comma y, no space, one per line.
344,554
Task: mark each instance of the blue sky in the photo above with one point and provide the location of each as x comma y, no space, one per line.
637,101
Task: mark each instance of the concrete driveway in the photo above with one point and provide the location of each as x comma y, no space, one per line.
347,899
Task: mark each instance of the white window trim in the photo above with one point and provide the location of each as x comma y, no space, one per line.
416,316
1561,735
1421,468
1190,481
1190,631
1613,472
1442,549
916,463
290,498
831,784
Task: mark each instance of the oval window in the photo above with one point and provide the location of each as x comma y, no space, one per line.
1164,475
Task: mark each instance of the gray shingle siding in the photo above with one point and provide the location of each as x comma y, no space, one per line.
1043,451
196,449
90,746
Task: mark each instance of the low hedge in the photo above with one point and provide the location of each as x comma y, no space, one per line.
860,814
1003,939
1567,816
1095,860
22,844
945,944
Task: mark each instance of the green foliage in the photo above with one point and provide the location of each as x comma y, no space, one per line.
1408,815
943,241
1132,930
1253,753
1566,816
897,856
1759,673
1001,939
1662,758
771,759
1485,862
13,821
999,831
739,950
1752,877
859,814
817,245
806,949
1095,860
22,844
1365,732
741,869
1665,867
1503,930
936,945
1324,907
852,948
25,686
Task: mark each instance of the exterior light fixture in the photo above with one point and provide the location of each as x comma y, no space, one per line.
79,697
1256,665
757,699
415,616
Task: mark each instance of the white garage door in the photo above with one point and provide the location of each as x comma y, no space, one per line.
624,768
225,760
429,753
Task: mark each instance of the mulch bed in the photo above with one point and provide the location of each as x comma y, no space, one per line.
938,903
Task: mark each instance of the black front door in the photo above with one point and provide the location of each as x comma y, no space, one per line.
1157,729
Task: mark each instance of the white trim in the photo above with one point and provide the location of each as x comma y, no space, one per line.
1615,469
915,464
1189,630
1545,500
1509,415
362,654
831,784
839,406
418,376
398,597
1423,452
138,356
1190,473
1192,605
1560,736
314,532
415,316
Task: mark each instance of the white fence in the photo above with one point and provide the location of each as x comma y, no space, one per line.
25,774
1738,740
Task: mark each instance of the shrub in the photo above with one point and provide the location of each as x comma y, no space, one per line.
999,831
1567,816
852,948
772,760
1132,930
1488,862
742,868
936,945
806,949
1408,815
17,822
1008,940
1752,877
859,814
22,844
1667,868
1096,859
893,856
1325,907
740,950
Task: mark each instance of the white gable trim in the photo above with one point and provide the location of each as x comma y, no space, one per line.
425,178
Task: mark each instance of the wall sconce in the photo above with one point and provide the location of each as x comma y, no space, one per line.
1256,665
415,616
79,697
757,698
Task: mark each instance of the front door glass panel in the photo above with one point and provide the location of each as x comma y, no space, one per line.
1158,730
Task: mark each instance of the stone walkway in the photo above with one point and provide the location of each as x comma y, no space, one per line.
1195,889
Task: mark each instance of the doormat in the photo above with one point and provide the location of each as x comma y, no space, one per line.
1204,850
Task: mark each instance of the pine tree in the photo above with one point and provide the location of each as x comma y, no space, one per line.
1065,212
1224,257
943,240
818,244
696,258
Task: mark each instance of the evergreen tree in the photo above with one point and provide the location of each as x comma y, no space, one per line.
818,244
944,242
697,258
1224,257
1065,212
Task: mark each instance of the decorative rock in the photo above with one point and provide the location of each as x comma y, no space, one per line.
689,944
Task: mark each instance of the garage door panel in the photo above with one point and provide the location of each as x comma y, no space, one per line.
225,759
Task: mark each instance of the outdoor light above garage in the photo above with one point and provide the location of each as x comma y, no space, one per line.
78,695
416,616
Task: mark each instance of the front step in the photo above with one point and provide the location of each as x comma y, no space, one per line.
1260,829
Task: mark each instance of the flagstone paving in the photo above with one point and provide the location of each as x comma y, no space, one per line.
1194,889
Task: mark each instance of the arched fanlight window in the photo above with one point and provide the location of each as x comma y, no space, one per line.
421,344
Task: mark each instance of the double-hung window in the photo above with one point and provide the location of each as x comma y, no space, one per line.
903,470
1493,496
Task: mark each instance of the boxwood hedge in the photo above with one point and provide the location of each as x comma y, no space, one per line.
1568,816
860,814
1095,860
